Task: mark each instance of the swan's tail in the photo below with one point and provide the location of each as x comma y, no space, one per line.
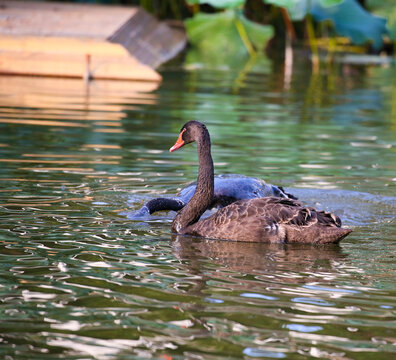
333,235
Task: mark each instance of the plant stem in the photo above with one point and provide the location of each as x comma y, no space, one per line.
245,39
312,43
290,32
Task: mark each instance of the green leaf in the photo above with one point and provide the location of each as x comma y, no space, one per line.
330,2
258,34
240,63
297,9
351,20
217,37
348,17
220,4
387,9
211,31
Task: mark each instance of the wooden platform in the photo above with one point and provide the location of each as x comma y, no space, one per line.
81,40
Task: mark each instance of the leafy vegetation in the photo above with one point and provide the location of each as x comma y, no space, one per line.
347,16
222,31
387,9
226,32
351,20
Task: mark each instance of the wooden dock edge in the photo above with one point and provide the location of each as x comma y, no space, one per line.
84,41
76,58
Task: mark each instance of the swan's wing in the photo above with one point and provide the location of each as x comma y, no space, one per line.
291,212
265,219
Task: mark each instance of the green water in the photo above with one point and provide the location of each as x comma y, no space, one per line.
81,281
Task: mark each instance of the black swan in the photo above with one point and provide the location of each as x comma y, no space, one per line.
227,189
269,219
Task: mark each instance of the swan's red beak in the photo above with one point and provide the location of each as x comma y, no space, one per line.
179,143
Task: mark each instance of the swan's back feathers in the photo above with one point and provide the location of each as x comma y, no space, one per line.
271,220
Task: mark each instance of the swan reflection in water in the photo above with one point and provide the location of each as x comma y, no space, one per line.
278,264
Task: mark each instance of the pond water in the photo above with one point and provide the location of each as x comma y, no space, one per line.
79,280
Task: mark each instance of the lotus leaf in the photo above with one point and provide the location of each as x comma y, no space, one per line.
387,9
216,35
351,20
348,17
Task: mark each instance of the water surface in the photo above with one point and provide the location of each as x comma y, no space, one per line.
79,280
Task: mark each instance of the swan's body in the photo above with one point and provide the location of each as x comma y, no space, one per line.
275,220
264,219
227,189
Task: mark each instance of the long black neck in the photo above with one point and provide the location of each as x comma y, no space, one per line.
203,195
159,204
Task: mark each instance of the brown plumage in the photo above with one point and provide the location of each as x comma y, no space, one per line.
268,219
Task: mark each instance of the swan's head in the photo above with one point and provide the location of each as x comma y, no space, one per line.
190,132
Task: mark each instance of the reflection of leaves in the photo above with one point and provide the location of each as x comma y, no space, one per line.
241,63
221,4
209,60
216,38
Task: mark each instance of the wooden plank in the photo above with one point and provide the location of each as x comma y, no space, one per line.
61,45
148,40
56,39
62,19
75,65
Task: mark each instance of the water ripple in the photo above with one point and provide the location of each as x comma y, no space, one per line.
80,280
